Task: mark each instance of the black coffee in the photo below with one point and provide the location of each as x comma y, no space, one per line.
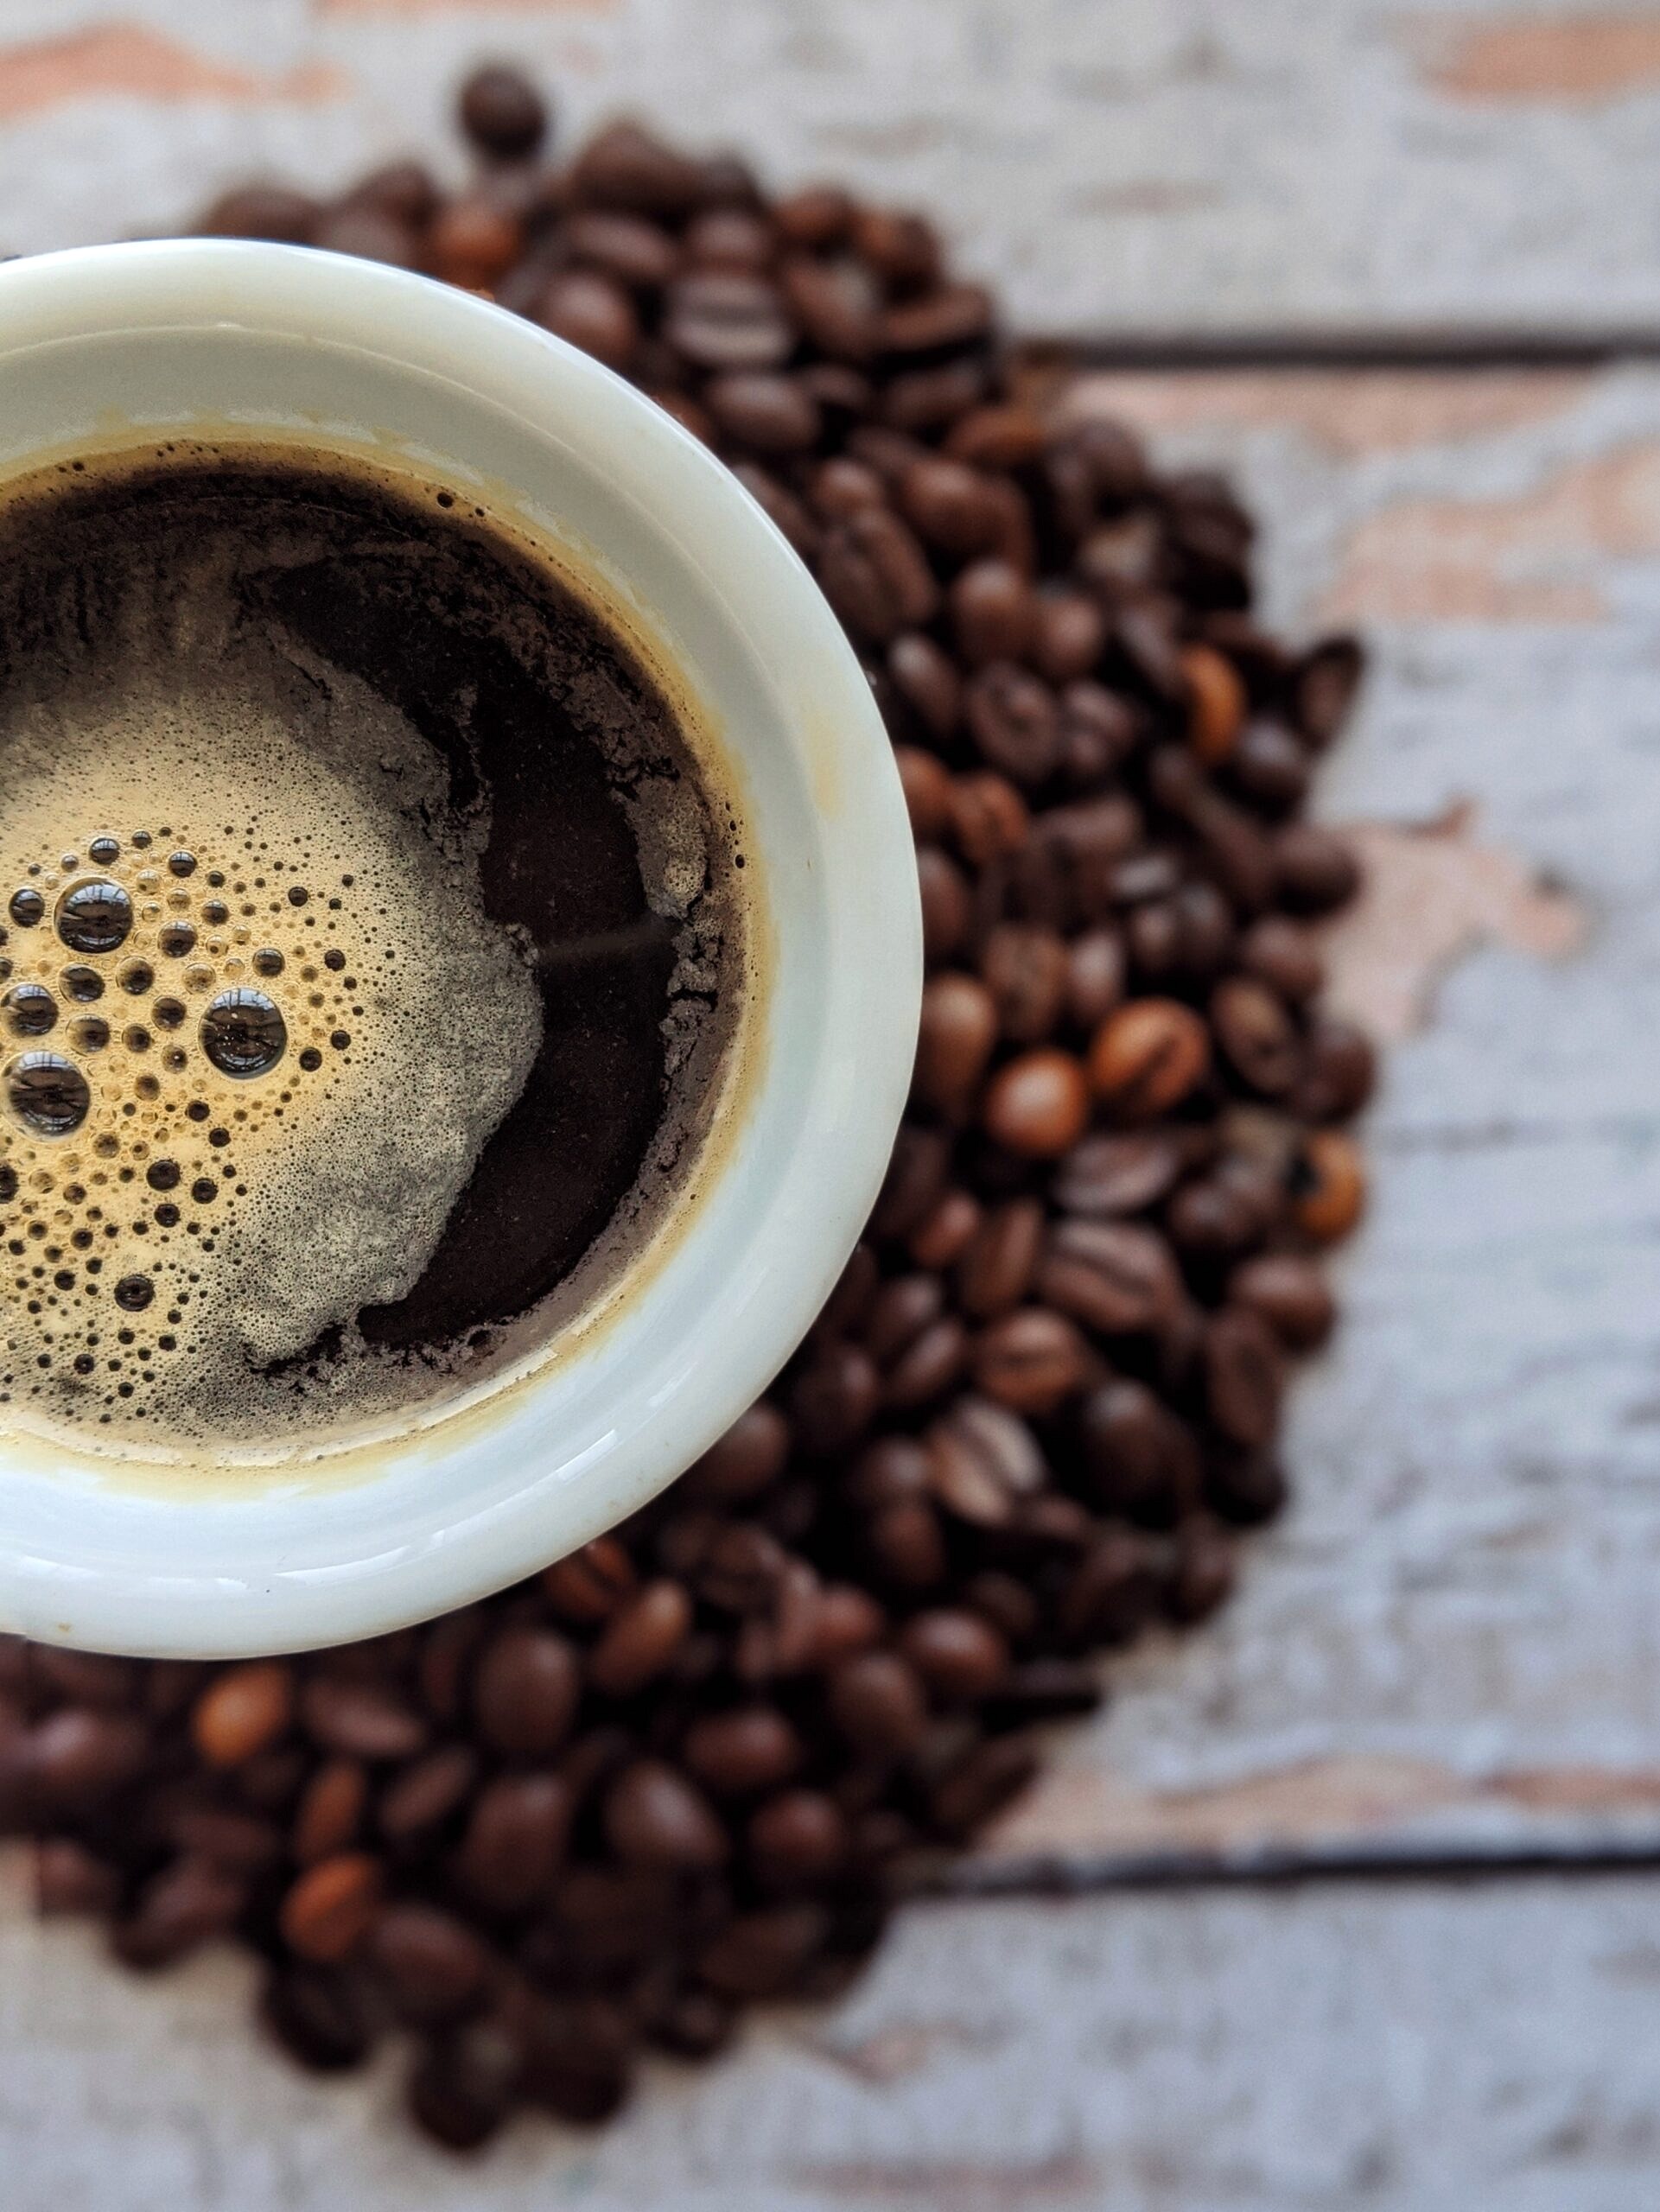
371,951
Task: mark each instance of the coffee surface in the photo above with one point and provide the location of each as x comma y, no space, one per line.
369,947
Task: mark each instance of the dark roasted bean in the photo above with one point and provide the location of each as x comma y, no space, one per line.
1256,1034
641,1639
1037,1105
361,1721
502,112
1147,1057
428,1792
1105,1176
994,611
655,1819
525,1691
1032,1361
1014,723
514,1840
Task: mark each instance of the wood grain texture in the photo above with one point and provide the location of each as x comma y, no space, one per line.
1120,166
1402,2051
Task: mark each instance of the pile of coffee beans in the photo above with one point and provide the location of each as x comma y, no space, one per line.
690,1768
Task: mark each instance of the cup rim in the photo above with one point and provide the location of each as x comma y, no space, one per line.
65,1580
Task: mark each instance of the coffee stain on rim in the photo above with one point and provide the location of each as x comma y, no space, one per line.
242,1473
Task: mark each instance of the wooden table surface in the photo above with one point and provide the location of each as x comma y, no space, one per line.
1348,1900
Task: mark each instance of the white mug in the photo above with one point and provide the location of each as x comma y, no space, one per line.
126,344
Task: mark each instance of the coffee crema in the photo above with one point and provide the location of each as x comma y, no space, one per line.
373,944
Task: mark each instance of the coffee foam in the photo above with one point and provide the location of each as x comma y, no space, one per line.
170,1262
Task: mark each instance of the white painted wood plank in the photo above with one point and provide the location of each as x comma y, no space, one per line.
1408,2050
1126,165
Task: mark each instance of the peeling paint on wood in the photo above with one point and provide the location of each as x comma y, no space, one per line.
1565,61
126,61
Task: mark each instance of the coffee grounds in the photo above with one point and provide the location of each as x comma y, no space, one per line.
691,1768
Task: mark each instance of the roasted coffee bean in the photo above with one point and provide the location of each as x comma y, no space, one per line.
1015,722
1071,637
655,1819
763,413
990,1777
361,1719
1146,1057
262,211
942,1237
1281,954
431,1963
1215,702
997,1265
1269,767
1107,1176
330,1909
906,1545
728,320
1329,1185
927,792
427,1792
1127,1438
472,243
1339,1070
1291,1294
958,1654
1025,968
945,909
988,818
590,1584
1256,1036
329,1815
929,683
750,1748
834,1399
800,1836
625,167
948,507
69,1879
593,312
876,576
1116,1277
1037,1105
994,610
246,1710
959,1028
525,1691
982,1459
514,1840
321,2018
641,1640
875,1701
1244,1376
1203,1576
1324,687
188,1903
1315,870
502,112
764,1953
1032,1361
750,1456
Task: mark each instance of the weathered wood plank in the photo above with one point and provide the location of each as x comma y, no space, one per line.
1114,167
1411,2051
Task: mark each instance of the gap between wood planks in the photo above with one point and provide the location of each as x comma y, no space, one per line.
1279,1866
1431,346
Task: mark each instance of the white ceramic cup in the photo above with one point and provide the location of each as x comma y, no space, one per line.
119,343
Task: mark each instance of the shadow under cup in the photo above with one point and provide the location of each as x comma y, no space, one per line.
111,348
